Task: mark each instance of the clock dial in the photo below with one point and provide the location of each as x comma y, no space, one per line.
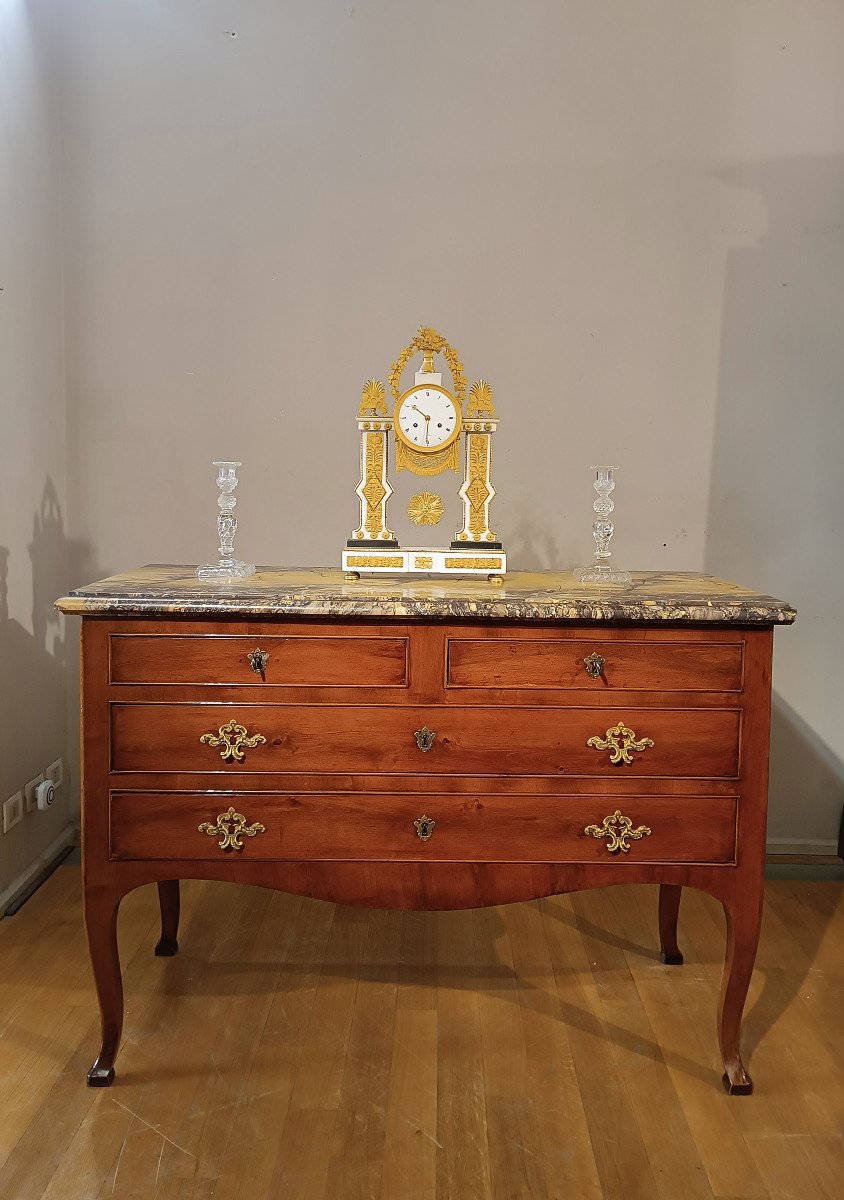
427,418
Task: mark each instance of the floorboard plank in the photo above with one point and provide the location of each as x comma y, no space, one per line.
535,1052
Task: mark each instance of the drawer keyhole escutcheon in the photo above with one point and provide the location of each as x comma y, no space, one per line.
425,739
231,827
234,740
617,829
424,827
258,660
594,665
621,742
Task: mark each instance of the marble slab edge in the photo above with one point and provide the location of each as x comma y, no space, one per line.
162,589
431,608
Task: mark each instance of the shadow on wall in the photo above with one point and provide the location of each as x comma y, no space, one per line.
801,765
777,488
48,555
532,547
33,698
33,710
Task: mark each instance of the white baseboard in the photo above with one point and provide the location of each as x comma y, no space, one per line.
41,864
801,846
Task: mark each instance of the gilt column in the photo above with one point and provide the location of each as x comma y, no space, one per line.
477,491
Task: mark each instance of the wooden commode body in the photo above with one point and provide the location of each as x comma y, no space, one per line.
427,745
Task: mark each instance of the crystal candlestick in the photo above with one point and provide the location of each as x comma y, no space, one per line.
600,571
228,567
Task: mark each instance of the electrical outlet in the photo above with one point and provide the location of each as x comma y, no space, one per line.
55,771
30,799
12,811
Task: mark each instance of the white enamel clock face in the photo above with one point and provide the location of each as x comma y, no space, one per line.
426,418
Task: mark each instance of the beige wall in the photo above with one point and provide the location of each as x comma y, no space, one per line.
592,201
33,520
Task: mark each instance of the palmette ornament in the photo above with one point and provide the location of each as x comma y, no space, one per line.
429,426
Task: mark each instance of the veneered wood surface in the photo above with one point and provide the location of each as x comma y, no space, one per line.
304,659
538,718
474,741
473,828
533,661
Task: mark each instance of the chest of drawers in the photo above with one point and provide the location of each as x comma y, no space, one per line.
425,747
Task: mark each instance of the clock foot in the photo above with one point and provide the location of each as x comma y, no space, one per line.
351,576
496,580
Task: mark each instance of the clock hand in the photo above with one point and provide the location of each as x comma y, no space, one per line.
421,414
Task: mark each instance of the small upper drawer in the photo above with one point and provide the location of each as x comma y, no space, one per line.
650,666
292,661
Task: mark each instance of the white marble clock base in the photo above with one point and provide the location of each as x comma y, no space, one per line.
424,561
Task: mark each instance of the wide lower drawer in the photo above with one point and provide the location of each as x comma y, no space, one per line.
676,743
270,660
593,665
431,828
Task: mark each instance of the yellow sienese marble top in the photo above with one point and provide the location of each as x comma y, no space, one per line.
524,596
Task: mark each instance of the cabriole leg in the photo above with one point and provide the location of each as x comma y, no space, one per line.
669,906
168,900
101,909
743,924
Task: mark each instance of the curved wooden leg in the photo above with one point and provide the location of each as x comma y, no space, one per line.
101,909
168,900
669,906
743,924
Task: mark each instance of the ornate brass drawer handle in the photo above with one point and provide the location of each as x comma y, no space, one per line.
424,827
617,829
621,742
425,738
234,740
594,665
231,827
258,660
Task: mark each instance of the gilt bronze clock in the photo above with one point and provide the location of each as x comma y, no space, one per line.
427,422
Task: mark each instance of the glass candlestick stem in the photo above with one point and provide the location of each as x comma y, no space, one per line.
228,566
602,530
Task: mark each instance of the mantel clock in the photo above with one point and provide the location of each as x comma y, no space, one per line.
427,421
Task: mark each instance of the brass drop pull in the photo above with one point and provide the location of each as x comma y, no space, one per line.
621,742
258,660
594,665
231,827
617,829
425,738
424,827
234,740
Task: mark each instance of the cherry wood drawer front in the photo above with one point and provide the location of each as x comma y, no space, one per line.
295,661
470,828
559,664
684,743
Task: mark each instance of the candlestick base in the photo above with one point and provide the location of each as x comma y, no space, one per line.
235,569
601,573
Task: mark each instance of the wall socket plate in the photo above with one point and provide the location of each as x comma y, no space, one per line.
30,799
12,811
55,771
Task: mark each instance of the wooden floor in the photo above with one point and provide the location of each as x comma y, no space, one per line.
294,1050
